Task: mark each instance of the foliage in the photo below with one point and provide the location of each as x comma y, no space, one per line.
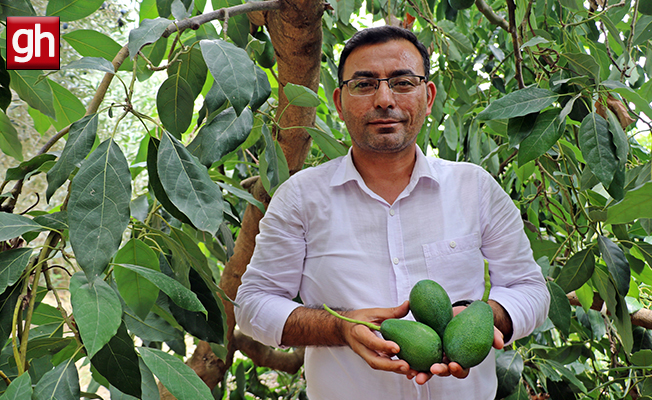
551,97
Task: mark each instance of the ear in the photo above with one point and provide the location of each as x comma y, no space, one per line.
431,91
337,100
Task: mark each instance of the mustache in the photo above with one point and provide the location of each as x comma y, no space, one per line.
387,113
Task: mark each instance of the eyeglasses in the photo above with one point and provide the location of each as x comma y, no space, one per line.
402,84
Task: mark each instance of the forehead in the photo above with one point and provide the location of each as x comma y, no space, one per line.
384,58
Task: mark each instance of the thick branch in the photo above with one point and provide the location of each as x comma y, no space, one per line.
488,12
265,356
642,317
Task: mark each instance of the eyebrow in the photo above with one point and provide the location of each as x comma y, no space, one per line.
370,74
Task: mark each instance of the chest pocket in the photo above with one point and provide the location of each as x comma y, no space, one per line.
457,265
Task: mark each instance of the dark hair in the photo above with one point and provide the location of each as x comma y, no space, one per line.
382,34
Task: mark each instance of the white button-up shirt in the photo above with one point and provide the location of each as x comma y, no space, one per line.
327,237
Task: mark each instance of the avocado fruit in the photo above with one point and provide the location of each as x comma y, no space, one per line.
469,336
461,4
420,345
267,58
431,305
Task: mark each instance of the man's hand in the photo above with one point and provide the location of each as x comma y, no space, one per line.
376,351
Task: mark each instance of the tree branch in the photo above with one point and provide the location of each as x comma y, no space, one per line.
642,317
265,356
492,17
518,59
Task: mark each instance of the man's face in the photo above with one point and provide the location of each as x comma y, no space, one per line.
384,122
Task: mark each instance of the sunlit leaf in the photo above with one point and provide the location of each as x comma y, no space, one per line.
90,43
192,68
139,293
149,31
92,63
37,95
67,106
72,10
19,389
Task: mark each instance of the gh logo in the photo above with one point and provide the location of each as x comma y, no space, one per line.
32,42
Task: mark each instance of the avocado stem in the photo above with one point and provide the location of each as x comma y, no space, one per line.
487,282
353,321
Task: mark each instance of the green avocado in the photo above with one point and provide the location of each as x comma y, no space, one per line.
461,4
431,305
420,345
267,58
470,334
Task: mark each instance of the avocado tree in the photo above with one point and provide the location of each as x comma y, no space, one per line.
152,226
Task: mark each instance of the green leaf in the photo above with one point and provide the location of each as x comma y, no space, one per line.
19,389
518,103
67,106
90,43
629,94
188,185
37,95
597,148
93,63
181,296
12,264
139,293
330,146
262,89
62,382
153,329
509,367
174,103
560,310
8,301
16,8
273,165
117,361
30,167
616,262
242,194
154,53
224,134
577,271
176,376
192,68
544,134
300,96
72,10
149,31
98,209
97,311
232,70
13,225
584,64
642,30
43,346
642,358
9,142
636,204
81,137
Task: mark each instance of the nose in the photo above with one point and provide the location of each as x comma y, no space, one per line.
384,97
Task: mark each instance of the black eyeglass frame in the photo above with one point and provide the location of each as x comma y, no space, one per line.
378,80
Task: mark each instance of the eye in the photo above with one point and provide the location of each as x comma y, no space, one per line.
363,83
403,81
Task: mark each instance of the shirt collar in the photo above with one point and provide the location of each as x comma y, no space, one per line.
346,170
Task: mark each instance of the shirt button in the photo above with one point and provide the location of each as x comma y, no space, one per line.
391,212
395,260
453,244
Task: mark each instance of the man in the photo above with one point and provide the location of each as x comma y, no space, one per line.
358,232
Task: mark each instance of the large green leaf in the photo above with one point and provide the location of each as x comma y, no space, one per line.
544,134
616,262
154,53
153,329
37,95
191,67
149,31
584,64
43,346
139,293
81,137
19,389
176,376
67,106
224,134
90,43
232,70
176,291
327,143
642,30
509,366
9,142
518,103
636,204
98,209
117,361
188,185
72,10
262,89
16,8
174,103
597,148
577,271
301,96
30,167
12,264
62,382
560,310
13,225
97,311
94,63
273,165
8,301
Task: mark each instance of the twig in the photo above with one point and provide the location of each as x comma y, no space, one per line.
518,59
492,17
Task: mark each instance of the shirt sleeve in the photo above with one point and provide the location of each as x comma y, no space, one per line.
272,280
516,279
